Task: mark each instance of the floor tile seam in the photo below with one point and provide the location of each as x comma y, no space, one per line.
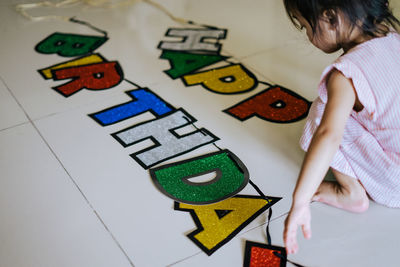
264,223
270,221
68,174
14,126
88,104
148,85
268,50
236,237
98,101
72,109
184,259
262,75
83,195
13,97
240,60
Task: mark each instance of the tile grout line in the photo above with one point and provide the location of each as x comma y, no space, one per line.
66,171
114,94
267,50
239,59
13,126
241,234
182,260
262,224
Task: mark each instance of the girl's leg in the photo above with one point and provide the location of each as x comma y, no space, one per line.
345,193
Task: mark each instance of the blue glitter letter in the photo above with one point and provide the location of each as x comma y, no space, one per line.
144,100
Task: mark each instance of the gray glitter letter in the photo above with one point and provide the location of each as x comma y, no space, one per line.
193,40
162,131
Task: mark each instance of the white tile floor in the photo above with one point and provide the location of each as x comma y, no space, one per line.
71,195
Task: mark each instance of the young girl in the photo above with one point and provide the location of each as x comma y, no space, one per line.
353,127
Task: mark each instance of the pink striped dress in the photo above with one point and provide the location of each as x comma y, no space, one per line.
370,149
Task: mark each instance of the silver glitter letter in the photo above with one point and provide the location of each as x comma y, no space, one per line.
162,131
193,40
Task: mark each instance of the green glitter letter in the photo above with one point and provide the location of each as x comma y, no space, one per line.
173,179
184,63
69,45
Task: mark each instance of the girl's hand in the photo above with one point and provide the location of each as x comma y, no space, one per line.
298,216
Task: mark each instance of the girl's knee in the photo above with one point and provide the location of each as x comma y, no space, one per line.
349,183
359,198
356,194
362,204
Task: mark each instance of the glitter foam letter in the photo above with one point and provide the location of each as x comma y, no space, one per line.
69,45
163,133
261,255
176,180
144,100
275,104
183,63
232,79
193,40
82,61
219,222
97,76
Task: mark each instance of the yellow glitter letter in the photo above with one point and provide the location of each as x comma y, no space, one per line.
220,222
233,79
91,59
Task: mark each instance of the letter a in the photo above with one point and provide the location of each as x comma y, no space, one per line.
184,63
218,223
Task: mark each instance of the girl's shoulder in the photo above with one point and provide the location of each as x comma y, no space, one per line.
367,66
375,46
380,51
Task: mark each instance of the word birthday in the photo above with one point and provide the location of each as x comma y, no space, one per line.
215,206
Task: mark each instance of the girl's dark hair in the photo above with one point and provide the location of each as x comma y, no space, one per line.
373,17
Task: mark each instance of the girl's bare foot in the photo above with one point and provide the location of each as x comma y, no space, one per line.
347,193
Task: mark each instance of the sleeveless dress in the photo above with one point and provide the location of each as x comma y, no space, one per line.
370,148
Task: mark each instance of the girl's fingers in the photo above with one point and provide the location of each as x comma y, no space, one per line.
306,230
291,246
295,247
289,237
295,219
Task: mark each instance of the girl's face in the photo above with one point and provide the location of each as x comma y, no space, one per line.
325,37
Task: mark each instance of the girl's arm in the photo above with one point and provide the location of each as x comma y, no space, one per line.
324,144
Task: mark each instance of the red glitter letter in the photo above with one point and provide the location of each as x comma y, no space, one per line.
97,76
275,104
259,255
